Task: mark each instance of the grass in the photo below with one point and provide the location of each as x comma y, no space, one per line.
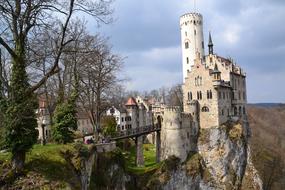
149,160
48,164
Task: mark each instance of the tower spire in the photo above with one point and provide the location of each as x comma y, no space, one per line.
210,45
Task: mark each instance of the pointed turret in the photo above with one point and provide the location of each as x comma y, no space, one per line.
210,45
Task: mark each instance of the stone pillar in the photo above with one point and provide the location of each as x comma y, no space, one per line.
158,146
139,151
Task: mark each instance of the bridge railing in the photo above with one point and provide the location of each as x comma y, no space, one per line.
137,131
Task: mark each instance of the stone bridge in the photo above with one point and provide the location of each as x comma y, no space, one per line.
137,134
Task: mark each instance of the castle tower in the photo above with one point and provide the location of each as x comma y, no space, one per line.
210,45
192,40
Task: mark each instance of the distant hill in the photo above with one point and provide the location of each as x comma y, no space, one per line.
267,122
267,105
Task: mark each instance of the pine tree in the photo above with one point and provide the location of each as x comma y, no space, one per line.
65,121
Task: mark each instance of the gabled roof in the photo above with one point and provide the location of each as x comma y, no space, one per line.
131,102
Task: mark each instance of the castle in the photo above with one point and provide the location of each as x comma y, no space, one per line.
214,91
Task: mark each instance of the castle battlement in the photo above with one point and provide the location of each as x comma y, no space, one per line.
172,109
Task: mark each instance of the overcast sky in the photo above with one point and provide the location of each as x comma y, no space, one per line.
252,32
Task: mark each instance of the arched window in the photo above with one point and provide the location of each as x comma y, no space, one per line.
239,110
190,95
200,95
210,94
187,60
205,109
235,111
186,45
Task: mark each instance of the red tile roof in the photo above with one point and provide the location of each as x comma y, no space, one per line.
131,102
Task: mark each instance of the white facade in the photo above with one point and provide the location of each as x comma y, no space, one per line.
192,40
115,113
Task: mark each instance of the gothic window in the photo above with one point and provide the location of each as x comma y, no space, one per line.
190,95
222,112
239,110
210,94
243,110
239,95
205,109
235,111
200,95
187,60
194,30
185,33
186,45
224,96
203,44
228,112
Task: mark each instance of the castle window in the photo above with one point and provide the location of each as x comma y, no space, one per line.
235,111
205,109
187,60
186,45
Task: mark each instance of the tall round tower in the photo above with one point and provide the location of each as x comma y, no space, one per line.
192,40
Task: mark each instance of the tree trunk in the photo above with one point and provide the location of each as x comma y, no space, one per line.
18,160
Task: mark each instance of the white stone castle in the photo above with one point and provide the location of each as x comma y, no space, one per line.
214,92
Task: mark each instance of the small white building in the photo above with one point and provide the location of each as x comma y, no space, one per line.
135,113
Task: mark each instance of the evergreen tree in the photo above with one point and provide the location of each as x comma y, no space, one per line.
64,123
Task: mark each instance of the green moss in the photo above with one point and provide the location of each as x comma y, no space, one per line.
100,177
46,163
163,174
204,136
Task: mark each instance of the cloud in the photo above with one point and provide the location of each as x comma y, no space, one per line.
252,32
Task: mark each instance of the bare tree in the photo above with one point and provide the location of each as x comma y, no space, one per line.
19,20
98,76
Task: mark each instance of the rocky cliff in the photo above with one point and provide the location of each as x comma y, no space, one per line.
222,161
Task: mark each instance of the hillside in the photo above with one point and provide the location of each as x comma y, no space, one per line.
268,143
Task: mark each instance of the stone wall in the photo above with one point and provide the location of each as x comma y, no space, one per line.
177,134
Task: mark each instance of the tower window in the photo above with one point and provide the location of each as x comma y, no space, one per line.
205,109
186,45
187,60
203,44
194,30
185,33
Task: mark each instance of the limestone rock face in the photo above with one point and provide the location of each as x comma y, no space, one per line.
225,161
